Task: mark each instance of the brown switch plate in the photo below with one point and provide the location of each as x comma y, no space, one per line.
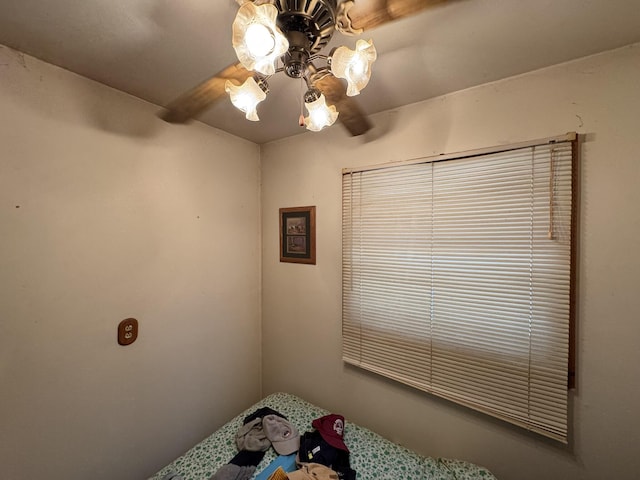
127,331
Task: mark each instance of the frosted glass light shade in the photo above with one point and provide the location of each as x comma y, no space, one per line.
246,97
257,40
320,114
354,65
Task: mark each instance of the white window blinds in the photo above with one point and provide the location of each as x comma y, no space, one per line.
457,279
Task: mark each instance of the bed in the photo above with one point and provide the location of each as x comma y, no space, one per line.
372,456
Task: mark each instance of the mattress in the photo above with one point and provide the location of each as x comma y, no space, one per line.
372,456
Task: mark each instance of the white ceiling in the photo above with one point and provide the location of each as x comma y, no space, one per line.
157,49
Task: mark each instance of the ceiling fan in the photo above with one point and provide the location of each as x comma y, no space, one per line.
274,36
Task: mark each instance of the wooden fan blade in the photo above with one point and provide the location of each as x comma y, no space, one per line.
368,14
196,100
349,111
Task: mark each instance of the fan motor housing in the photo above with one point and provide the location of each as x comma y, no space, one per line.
316,19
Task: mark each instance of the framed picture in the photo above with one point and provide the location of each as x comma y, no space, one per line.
298,235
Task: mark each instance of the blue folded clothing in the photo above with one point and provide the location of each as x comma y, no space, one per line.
287,462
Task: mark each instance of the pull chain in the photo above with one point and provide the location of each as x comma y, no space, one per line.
301,119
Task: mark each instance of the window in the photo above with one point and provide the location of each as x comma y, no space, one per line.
457,278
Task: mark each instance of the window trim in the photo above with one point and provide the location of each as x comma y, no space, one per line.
567,137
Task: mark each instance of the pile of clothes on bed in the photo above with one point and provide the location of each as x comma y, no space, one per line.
320,454
310,455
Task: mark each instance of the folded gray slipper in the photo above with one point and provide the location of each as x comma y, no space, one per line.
234,472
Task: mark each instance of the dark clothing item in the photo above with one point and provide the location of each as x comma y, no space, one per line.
314,449
245,458
261,413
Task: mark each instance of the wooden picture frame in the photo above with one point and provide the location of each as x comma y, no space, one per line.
298,235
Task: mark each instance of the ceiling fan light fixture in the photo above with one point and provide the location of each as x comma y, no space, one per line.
247,96
354,65
288,36
320,114
257,40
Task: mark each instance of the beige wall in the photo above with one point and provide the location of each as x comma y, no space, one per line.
597,97
105,213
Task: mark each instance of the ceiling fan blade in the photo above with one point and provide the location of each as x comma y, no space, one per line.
368,14
349,111
196,100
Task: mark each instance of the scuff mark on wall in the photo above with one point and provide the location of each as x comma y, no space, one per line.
19,56
21,59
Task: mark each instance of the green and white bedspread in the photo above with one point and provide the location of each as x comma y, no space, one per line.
372,457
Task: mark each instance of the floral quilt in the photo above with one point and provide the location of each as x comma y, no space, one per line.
372,456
